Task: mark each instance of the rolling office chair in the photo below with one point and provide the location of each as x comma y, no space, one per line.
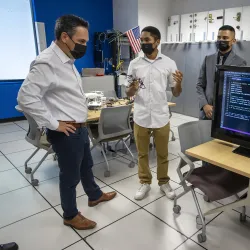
114,125
213,181
37,137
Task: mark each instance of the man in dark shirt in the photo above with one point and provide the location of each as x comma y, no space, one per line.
225,55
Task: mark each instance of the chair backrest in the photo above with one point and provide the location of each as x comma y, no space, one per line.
192,134
114,122
110,94
33,135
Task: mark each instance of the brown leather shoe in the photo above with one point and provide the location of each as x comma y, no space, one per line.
80,223
105,197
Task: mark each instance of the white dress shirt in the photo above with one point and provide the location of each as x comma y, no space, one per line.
53,91
151,104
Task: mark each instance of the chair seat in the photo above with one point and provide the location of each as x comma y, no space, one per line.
217,183
44,142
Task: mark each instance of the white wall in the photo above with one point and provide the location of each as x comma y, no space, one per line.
191,6
154,13
125,14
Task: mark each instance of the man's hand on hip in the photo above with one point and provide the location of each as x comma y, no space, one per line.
66,128
208,109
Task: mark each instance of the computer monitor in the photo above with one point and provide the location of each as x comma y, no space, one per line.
231,117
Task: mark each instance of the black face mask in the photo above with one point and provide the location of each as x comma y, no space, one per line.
79,50
147,48
222,45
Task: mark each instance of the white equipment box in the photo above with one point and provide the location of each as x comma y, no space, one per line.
200,26
174,29
245,23
233,17
186,28
215,21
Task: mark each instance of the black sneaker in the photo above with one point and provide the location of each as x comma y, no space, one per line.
9,246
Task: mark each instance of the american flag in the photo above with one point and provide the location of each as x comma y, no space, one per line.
134,39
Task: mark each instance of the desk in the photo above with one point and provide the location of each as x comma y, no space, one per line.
220,154
94,115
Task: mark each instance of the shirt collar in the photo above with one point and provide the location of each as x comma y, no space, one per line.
225,55
159,56
63,57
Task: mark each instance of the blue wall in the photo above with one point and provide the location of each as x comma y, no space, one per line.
99,13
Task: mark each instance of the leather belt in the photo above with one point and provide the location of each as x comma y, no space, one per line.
78,125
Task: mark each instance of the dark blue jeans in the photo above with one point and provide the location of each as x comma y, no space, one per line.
75,163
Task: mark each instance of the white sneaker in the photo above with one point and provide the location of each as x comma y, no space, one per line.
166,189
142,191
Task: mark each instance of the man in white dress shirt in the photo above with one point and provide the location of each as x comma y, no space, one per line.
149,77
52,94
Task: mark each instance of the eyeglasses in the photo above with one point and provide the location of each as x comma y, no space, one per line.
131,80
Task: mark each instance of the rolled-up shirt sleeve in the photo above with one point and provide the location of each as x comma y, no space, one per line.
39,80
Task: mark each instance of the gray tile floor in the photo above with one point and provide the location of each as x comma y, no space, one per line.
32,216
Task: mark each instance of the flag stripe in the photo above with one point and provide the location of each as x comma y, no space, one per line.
134,39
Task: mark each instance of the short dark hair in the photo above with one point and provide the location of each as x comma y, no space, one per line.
153,31
68,24
227,27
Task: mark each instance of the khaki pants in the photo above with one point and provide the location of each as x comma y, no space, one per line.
142,138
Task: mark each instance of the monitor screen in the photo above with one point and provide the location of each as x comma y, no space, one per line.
231,119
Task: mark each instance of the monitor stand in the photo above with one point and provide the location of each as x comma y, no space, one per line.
242,151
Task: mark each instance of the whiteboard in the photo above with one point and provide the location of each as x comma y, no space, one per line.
215,21
245,23
233,17
17,41
186,28
174,29
200,26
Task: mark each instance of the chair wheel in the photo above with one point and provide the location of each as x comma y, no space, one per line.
198,220
35,182
243,218
205,197
28,170
131,164
201,238
114,154
107,174
177,209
